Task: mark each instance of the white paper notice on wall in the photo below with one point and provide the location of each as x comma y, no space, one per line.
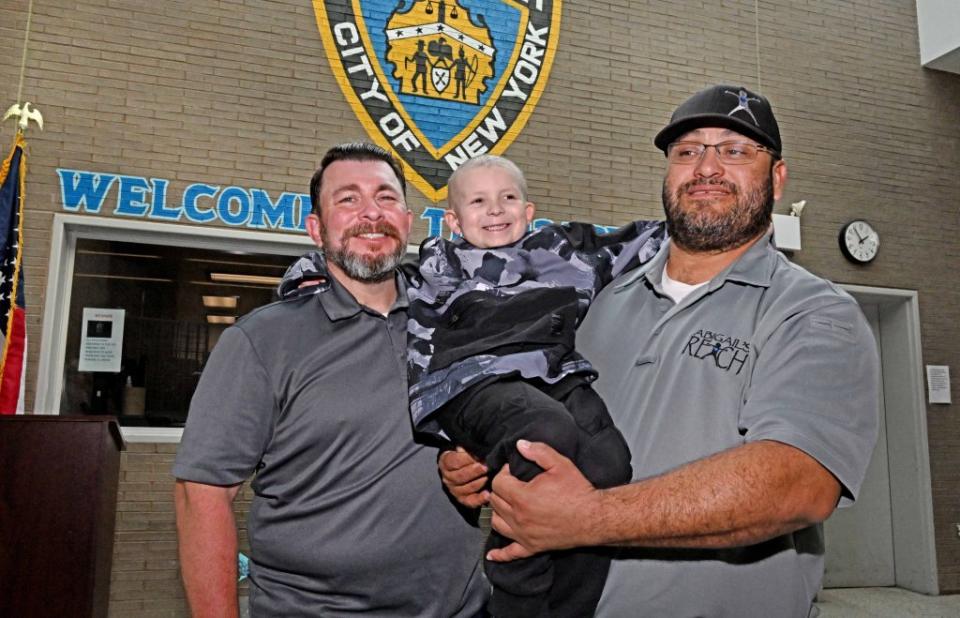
938,383
101,340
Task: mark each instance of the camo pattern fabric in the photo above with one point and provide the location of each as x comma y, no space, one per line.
310,267
476,313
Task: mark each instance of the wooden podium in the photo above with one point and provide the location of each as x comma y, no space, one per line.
58,500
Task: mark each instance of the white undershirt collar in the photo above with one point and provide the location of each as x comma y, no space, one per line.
677,290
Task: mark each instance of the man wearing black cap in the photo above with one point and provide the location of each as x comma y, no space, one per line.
746,387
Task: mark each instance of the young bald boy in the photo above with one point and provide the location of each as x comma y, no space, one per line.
491,358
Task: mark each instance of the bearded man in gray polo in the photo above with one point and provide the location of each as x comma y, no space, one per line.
746,387
310,394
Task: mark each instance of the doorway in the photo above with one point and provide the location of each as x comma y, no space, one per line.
886,538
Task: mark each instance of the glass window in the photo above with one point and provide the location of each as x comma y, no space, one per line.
143,319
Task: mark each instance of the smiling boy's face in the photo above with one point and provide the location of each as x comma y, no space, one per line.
488,208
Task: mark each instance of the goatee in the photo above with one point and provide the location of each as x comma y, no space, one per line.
362,267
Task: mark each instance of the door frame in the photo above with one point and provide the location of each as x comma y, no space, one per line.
911,499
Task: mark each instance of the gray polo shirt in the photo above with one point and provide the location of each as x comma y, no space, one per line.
764,351
349,515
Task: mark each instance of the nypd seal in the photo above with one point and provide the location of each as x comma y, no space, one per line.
438,82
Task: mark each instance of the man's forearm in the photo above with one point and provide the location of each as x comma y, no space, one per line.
739,497
207,535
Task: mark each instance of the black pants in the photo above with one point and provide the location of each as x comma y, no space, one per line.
487,420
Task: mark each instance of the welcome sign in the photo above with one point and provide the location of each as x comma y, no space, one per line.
438,82
123,195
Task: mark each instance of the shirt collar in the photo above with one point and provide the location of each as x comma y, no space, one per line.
754,267
652,270
339,303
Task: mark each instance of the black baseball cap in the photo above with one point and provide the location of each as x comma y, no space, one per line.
727,107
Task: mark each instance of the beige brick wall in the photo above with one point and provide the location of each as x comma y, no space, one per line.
179,90
146,575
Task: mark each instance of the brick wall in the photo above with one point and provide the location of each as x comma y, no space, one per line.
146,575
241,93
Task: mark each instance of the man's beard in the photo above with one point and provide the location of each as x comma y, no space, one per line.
702,229
365,268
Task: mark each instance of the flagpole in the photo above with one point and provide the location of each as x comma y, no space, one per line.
23,112
23,58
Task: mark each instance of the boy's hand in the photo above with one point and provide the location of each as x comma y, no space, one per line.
465,477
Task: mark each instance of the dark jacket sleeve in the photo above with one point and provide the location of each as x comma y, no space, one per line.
309,267
615,252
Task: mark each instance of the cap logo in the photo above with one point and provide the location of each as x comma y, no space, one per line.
743,104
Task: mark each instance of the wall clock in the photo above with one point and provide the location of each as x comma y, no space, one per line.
859,242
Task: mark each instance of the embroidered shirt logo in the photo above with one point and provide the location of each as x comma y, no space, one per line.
725,352
743,104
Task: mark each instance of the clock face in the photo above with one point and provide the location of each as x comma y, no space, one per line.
859,242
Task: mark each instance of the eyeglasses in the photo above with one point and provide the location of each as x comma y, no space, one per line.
729,153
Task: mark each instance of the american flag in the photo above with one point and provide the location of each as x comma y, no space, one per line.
13,173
